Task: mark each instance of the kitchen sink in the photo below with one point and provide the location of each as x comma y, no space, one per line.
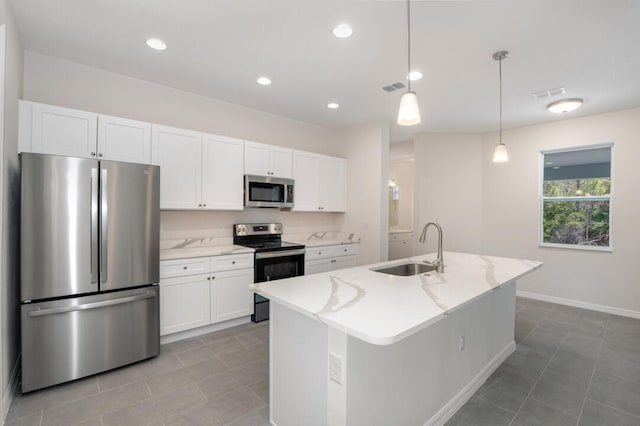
406,269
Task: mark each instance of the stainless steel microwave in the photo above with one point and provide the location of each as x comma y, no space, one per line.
267,191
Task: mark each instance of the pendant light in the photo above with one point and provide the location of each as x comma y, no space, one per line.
500,154
409,113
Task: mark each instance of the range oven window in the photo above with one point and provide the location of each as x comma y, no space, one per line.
277,268
269,192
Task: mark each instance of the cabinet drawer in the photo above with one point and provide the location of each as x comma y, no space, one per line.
318,252
230,262
401,236
183,267
344,250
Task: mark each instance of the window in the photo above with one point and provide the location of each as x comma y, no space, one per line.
576,196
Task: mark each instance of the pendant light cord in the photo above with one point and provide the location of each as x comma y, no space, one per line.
500,85
409,43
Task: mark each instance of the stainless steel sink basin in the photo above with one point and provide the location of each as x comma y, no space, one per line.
406,269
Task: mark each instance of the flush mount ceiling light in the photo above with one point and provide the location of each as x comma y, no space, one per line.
264,81
157,44
333,105
414,75
500,154
565,105
342,31
409,112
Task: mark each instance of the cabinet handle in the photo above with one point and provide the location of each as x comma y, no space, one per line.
93,154
208,278
233,262
204,205
345,249
99,154
213,278
184,267
199,205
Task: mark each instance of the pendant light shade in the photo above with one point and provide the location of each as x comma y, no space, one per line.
409,113
500,154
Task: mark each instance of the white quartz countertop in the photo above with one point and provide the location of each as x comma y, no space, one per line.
319,242
382,309
203,251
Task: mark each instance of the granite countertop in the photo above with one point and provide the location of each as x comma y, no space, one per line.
202,251
382,309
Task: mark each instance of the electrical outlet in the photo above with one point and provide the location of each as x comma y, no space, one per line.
462,342
335,367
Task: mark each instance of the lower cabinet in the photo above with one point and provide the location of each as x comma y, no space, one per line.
330,258
400,245
189,300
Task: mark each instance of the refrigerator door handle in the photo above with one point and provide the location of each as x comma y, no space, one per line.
94,225
104,222
64,309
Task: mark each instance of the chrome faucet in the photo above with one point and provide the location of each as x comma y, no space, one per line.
439,262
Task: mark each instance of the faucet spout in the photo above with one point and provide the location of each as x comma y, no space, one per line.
439,261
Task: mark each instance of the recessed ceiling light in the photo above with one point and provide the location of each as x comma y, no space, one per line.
565,105
157,44
343,31
264,81
415,75
548,163
555,167
333,105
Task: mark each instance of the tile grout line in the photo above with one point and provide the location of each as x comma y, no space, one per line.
543,370
593,372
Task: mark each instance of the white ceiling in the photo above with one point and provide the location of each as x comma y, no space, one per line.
218,49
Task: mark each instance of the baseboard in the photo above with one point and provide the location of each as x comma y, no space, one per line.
579,304
11,389
461,398
169,338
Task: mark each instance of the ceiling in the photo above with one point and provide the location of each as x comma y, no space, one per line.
219,48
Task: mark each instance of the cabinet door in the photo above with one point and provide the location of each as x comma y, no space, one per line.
316,266
400,249
178,153
256,158
281,160
121,139
306,188
342,262
222,173
332,187
230,294
184,303
63,131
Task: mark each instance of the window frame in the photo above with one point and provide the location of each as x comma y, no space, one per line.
542,198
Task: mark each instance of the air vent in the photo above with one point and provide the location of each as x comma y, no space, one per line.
549,93
394,86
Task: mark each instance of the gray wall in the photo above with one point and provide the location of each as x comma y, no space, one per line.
10,206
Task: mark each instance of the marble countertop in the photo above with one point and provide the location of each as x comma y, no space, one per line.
202,251
382,309
319,242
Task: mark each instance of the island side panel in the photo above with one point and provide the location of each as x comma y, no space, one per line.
298,368
425,377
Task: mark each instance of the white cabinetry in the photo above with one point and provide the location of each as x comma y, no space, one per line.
198,171
200,291
267,160
320,182
50,129
400,245
330,258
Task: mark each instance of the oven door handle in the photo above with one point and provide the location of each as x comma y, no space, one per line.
279,253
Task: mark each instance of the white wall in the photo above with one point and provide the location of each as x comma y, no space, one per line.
366,149
448,170
511,205
10,209
401,150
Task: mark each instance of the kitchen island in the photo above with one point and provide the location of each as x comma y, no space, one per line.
356,346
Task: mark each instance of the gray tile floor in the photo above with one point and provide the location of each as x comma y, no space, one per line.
572,367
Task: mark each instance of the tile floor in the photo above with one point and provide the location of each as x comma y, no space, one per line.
572,367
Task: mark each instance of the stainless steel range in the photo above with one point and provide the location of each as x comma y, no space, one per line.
274,259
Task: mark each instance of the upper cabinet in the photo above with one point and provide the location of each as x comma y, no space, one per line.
267,160
56,130
320,182
198,171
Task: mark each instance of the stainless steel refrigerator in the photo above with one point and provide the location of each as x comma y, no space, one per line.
89,267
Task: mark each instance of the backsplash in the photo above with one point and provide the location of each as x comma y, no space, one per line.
216,227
